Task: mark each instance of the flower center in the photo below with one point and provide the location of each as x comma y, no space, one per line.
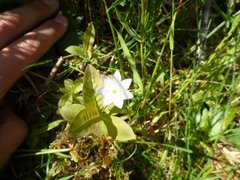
114,91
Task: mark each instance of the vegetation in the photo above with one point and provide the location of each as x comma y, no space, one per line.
183,58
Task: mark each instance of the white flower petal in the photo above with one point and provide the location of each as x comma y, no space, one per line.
126,83
118,103
107,100
126,95
103,90
100,91
117,75
129,95
106,80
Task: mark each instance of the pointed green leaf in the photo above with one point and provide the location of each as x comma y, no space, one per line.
65,99
77,85
198,96
216,121
72,87
36,131
234,137
90,83
116,3
74,50
171,35
111,128
136,77
119,129
71,91
88,40
98,128
84,119
70,111
126,26
68,83
229,117
204,120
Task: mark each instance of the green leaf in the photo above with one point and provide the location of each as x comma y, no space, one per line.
84,119
77,85
136,77
68,83
217,121
229,117
71,89
88,40
126,26
74,50
36,131
119,129
116,3
204,120
70,111
221,120
90,84
111,128
171,35
40,64
198,96
234,137
65,99
98,128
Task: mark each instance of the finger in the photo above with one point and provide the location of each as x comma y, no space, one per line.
28,49
13,131
15,22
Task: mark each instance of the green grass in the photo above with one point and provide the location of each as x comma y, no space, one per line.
185,110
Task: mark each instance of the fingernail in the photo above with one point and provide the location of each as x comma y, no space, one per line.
61,19
49,2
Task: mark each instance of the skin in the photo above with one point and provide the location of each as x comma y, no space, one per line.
26,34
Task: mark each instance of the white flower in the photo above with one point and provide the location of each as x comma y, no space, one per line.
114,90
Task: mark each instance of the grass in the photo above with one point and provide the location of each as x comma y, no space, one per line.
185,111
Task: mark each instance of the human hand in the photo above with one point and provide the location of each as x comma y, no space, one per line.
19,49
